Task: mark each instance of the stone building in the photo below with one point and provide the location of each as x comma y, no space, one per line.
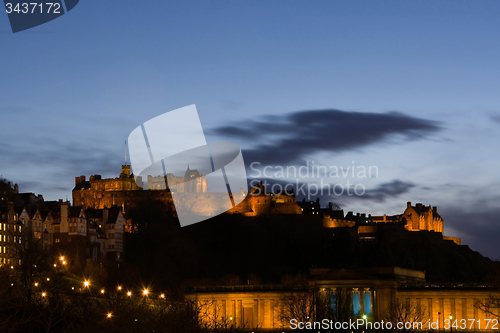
421,217
368,293
98,193
8,221
414,218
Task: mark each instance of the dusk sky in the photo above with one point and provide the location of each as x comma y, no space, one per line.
410,87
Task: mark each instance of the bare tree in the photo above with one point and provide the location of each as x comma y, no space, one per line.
406,313
490,305
300,305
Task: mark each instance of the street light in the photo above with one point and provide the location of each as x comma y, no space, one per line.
109,315
162,296
86,283
119,287
61,258
129,293
102,291
44,294
145,292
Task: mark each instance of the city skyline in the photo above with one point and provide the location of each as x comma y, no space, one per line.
407,87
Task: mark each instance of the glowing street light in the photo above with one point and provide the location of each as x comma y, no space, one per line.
44,294
55,265
145,292
129,294
64,262
162,296
36,284
109,315
119,287
86,283
48,279
61,258
102,291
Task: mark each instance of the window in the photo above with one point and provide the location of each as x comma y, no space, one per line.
57,240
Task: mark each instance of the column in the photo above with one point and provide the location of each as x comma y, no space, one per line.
355,302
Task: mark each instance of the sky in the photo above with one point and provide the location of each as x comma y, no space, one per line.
408,87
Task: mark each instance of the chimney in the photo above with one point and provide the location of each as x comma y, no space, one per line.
419,205
435,209
16,188
408,204
385,218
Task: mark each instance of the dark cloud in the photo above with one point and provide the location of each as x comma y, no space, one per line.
495,118
389,190
290,138
312,190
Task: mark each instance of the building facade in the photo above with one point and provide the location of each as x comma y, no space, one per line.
369,294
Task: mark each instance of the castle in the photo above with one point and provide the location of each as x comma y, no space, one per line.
414,218
125,191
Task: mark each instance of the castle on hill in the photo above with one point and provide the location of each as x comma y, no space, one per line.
125,191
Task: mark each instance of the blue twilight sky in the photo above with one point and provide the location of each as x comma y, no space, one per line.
410,87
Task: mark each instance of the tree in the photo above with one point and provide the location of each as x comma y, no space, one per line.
406,313
300,305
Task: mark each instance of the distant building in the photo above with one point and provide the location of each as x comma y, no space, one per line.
414,218
98,193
